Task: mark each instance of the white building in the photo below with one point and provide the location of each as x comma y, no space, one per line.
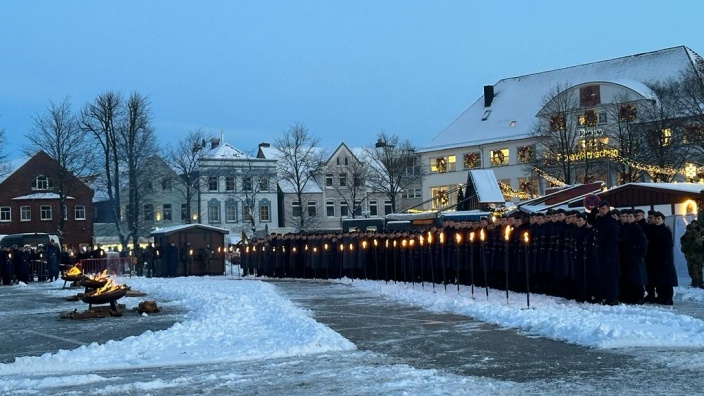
495,132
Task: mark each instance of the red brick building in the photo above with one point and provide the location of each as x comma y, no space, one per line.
29,202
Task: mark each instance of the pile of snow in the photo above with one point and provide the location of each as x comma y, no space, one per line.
583,324
228,321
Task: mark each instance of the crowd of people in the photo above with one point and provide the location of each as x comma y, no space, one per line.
602,256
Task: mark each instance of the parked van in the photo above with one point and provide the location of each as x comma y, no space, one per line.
29,238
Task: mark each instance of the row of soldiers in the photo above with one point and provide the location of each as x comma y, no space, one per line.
16,263
603,255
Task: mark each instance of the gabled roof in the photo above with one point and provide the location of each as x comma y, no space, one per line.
43,195
486,186
520,98
223,151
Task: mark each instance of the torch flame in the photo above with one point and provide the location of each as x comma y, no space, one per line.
507,233
471,236
430,238
458,238
403,243
525,237
420,239
442,238
481,235
364,244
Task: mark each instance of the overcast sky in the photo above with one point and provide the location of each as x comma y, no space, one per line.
344,69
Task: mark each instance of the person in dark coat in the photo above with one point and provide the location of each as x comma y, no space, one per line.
6,265
52,259
635,246
172,259
662,260
606,230
691,246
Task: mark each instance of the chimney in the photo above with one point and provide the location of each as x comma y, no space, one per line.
488,95
264,145
214,142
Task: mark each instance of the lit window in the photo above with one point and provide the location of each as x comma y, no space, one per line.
499,157
666,137
440,198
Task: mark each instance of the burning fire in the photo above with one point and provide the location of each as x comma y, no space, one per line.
74,271
110,286
100,276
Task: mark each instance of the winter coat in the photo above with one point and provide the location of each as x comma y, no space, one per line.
660,257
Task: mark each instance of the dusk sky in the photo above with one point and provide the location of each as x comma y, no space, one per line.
344,69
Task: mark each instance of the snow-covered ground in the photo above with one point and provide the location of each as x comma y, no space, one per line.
235,330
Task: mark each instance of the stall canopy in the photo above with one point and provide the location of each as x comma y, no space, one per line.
482,189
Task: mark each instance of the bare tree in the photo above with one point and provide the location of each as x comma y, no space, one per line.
136,144
184,158
4,165
662,129
56,132
353,187
256,180
393,166
691,97
626,138
100,120
298,161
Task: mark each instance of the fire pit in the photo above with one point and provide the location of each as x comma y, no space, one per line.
74,274
109,293
94,282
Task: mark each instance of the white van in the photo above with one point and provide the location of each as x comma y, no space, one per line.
29,238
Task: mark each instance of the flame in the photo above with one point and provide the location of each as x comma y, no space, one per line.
507,233
351,247
342,247
403,243
481,235
364,244
458,238
394,243
420,239
375,243
471,236
525,237
442,238
74,271
430,238
110,286
412,242
99,276
326,246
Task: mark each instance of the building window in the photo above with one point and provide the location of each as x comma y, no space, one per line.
247,213
388,208
148,186
373,208
411,193
79,212
214,212
344,210
525,154
296,209
212,183
328,179
499,157
443,164
167,210
357,208
527,186
440,197
603,120
5,213
343,179
166,184
231,211
312,209
337,160
330,208
264,213
347,161
472,160
42,182
184,212
412,165
25,213
247,183
666,137
148,212
45,212
263,184
229,183
589,96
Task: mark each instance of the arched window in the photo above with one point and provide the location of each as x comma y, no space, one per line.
42,182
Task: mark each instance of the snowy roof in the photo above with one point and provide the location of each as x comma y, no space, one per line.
224,151
311,187
486,186
694,188
181,227
519,99
41,196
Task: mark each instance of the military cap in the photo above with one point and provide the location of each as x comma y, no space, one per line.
604,203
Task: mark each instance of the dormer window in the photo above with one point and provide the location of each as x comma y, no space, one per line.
42,182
